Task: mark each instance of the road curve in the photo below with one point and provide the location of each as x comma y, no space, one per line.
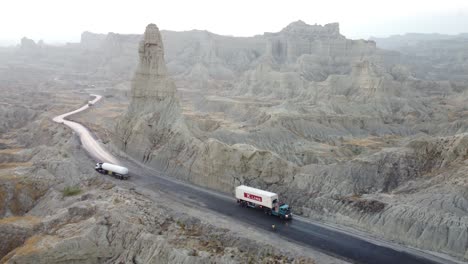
89,143
334,242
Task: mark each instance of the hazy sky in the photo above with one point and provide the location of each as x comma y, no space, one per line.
62,20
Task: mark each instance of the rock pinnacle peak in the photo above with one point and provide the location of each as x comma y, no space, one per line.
152,35
151,80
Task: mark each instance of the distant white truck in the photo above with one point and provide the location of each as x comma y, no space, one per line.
112,169
255,198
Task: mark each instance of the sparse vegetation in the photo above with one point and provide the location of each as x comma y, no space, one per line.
71,190
363,205
181,224
356,150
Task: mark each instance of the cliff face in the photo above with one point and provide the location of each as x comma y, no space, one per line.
299,39
301,55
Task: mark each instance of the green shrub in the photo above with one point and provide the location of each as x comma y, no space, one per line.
181,224
71,190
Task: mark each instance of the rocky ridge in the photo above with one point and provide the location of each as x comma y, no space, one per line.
341,145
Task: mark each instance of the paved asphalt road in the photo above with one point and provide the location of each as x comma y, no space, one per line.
333,242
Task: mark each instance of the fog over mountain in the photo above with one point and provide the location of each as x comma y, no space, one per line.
359,19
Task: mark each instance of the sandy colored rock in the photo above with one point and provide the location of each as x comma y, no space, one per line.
284,126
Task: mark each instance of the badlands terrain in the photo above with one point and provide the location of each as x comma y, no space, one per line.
54,208
347,132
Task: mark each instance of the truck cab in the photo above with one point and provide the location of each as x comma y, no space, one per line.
98,167
283,211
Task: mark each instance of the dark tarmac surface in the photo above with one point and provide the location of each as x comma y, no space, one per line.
335,243
332,242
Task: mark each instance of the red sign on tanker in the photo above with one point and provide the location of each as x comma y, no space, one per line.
252,197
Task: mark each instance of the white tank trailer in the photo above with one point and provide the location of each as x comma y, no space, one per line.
255,198
112,169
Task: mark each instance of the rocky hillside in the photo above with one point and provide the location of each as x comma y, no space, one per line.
334,125
54,208
345,131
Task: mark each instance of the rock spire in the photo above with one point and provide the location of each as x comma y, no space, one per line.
154,106
151,80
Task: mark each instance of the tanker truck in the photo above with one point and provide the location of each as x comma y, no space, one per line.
255,198
112,169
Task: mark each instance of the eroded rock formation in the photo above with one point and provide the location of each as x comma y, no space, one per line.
101,221
330,123
347,132
154,131
154,108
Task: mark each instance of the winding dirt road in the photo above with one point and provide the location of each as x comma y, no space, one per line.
90,144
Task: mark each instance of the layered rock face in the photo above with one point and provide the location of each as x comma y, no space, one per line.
299,39
300,55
